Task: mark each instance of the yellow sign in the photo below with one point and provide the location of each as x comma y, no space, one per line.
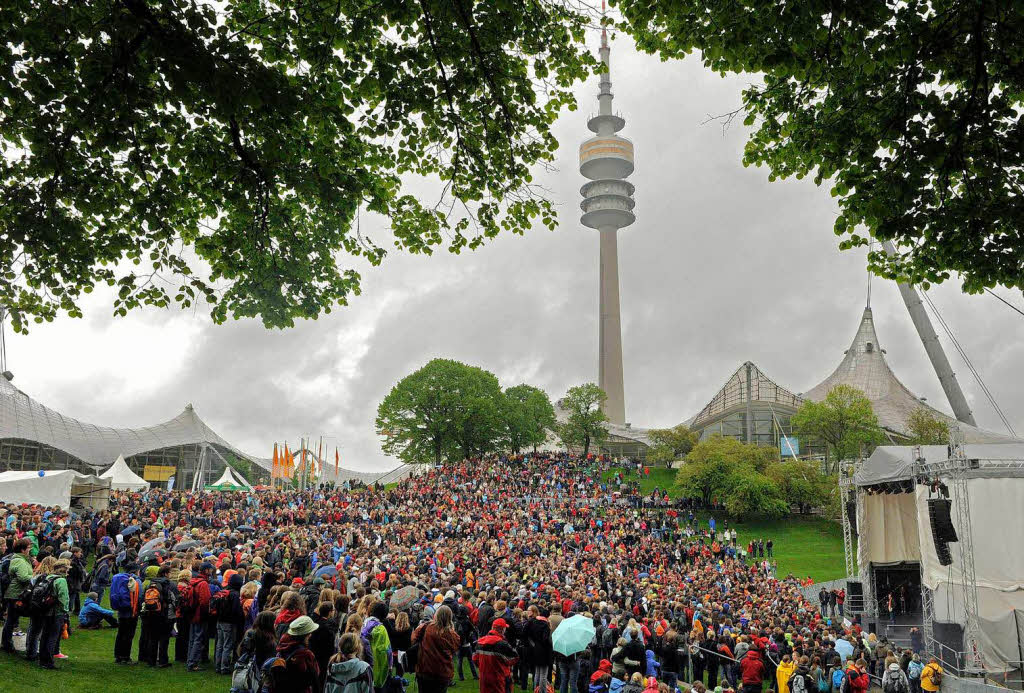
158,472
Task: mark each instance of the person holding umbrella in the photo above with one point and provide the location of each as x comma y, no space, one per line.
494,658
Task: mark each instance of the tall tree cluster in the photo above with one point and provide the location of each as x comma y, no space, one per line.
189,152
448,410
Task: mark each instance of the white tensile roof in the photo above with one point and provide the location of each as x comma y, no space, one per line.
23,417
865,368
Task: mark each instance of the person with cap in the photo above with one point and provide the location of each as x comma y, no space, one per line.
494,658
197,604
299,671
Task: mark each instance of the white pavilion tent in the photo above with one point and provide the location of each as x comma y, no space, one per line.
61,487
122,478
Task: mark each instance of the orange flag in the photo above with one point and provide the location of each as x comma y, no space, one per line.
274,464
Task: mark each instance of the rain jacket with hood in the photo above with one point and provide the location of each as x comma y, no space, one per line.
380,645
782,674
351,676
494,658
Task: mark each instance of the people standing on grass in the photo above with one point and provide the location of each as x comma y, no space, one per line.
19,570
55,617
438,645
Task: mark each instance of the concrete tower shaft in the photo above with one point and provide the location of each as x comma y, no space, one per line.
606,160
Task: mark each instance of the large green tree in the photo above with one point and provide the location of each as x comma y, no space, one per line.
714,466
670,444
925,428
221,152
444,410
801,483
843,422
912,111
528,416
584,426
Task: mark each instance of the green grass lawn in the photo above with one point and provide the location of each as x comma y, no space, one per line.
804,545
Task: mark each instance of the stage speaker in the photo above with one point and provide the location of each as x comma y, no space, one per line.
943,531
851,515
939,515
855,595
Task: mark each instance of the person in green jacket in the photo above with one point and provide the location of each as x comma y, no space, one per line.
20,568
53,622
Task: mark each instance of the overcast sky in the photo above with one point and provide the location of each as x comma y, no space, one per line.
720,267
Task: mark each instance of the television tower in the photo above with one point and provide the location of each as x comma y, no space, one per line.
606,159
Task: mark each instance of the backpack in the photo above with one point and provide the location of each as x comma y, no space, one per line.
935,677
189,598
844,685
274,673
352,685
797,683
153,601
219,604
914,670
823,686
121,589
44,596
608,638
837,676
5,573
894,684
247,675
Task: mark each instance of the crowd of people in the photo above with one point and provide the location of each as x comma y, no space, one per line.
469,567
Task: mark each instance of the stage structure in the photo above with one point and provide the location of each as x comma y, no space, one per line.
950,517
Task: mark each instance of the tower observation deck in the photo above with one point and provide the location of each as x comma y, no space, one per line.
606,159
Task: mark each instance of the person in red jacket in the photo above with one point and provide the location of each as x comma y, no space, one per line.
494,658
752,671
199,606
859,680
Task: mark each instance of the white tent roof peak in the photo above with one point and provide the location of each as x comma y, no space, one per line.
865,368
122,477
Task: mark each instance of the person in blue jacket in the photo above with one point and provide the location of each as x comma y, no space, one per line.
93,615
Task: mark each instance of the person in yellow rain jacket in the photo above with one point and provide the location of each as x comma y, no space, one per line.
785,670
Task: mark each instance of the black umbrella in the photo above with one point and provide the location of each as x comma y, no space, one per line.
149,554
245,528
130,530
187,544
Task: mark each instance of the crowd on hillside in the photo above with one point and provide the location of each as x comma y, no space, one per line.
470,568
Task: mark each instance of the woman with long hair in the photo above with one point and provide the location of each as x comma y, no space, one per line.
347,668
292,606
260,641
438,645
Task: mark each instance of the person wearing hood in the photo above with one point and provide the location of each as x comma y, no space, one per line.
376,633
783,673
604,667
197,606
652,685
92,614
602,682
752,671
230,624
301,672
347,672
102,574
894,680
494,658
157,612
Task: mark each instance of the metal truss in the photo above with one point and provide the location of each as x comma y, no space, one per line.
956,470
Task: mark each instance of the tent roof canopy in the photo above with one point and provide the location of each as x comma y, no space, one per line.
24,418
889,463
864,367
734,393
122,477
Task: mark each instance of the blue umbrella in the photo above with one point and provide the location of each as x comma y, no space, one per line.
844,648
130,530
245,528
325,570
573,635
